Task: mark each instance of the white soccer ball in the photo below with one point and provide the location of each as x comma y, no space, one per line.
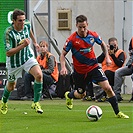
94,113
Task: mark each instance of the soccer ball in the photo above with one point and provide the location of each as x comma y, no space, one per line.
94,113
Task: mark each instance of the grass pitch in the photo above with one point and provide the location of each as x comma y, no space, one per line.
58,119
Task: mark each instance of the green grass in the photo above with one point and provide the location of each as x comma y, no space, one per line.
58,119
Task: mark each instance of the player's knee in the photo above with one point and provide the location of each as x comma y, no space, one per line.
108,89
38,77
11,86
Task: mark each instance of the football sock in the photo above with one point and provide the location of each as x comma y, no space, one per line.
114,104
71,94
5,95
37,91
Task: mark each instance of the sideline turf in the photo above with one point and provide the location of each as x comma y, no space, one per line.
58,119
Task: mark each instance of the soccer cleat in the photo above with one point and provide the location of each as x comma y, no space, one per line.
37,107
122,115
88,98
69,102
103,99
3,108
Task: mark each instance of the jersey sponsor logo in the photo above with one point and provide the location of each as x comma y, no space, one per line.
85,50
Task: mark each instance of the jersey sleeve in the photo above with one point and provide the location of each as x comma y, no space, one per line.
7,40
97,38
68,45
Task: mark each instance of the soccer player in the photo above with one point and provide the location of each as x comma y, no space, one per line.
85,64
20,56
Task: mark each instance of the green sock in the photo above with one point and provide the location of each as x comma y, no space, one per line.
37,91
5,95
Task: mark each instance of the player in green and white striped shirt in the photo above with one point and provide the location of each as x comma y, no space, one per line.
20,56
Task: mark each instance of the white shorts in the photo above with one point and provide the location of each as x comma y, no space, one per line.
14,73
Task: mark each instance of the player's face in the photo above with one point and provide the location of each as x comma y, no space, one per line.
19,22
82,28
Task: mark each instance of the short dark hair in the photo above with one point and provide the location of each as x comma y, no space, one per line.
112,39
81,18
17,12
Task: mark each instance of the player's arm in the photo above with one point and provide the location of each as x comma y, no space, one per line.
34,40
105,51
62,61
20,46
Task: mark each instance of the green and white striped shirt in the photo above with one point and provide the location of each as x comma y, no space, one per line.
12,39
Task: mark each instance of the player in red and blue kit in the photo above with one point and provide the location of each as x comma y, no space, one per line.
83,55
86,68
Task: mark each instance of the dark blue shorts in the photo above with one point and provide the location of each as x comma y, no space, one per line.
81,80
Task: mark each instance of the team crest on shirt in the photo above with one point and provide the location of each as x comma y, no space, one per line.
8,45
18,37
91,40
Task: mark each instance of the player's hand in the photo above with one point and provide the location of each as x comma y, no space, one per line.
63,71
25,42
37,46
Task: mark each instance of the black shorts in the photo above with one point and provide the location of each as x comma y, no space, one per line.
81,80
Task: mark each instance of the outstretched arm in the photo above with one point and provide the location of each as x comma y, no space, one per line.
34,40
62,61
105,51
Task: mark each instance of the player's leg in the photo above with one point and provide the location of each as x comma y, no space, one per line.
99,76
112,98
110,75
11,83
32,67
37,73
71,95
79,91
6,94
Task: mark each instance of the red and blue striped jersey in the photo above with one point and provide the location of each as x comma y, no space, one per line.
84,59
